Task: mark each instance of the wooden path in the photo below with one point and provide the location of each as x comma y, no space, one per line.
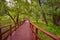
26,31
23,33
29,31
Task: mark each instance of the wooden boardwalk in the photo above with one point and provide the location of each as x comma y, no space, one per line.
23,33
29,31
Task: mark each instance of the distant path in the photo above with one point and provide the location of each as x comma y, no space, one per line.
23,33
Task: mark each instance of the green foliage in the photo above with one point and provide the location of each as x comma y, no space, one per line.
33,11
50,28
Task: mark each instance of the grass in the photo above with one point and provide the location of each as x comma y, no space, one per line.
50,28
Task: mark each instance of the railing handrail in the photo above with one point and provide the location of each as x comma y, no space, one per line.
6,25
45,32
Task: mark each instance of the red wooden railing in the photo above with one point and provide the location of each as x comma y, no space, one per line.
33,27
36,28
1,34
10,30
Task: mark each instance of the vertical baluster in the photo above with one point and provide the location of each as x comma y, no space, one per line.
36,33
10,32
0,34
33,29
15,26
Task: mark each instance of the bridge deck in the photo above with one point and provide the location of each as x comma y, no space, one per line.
23,33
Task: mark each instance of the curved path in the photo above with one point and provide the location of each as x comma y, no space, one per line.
22,33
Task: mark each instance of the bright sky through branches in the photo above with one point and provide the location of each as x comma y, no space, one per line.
7,0
10,3
29,1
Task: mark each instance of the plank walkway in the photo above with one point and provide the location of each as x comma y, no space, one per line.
22,33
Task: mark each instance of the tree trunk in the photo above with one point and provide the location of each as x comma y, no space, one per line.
11,17
17,19
36,19
55,21
43,14
58,20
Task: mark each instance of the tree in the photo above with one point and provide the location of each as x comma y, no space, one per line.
43,14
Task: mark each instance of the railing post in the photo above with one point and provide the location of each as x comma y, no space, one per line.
10,32
33,29
0,34
36,33
15,26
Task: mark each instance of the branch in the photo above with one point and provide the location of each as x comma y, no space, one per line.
39,2
11,17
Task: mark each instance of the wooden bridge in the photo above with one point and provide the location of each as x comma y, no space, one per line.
25,31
